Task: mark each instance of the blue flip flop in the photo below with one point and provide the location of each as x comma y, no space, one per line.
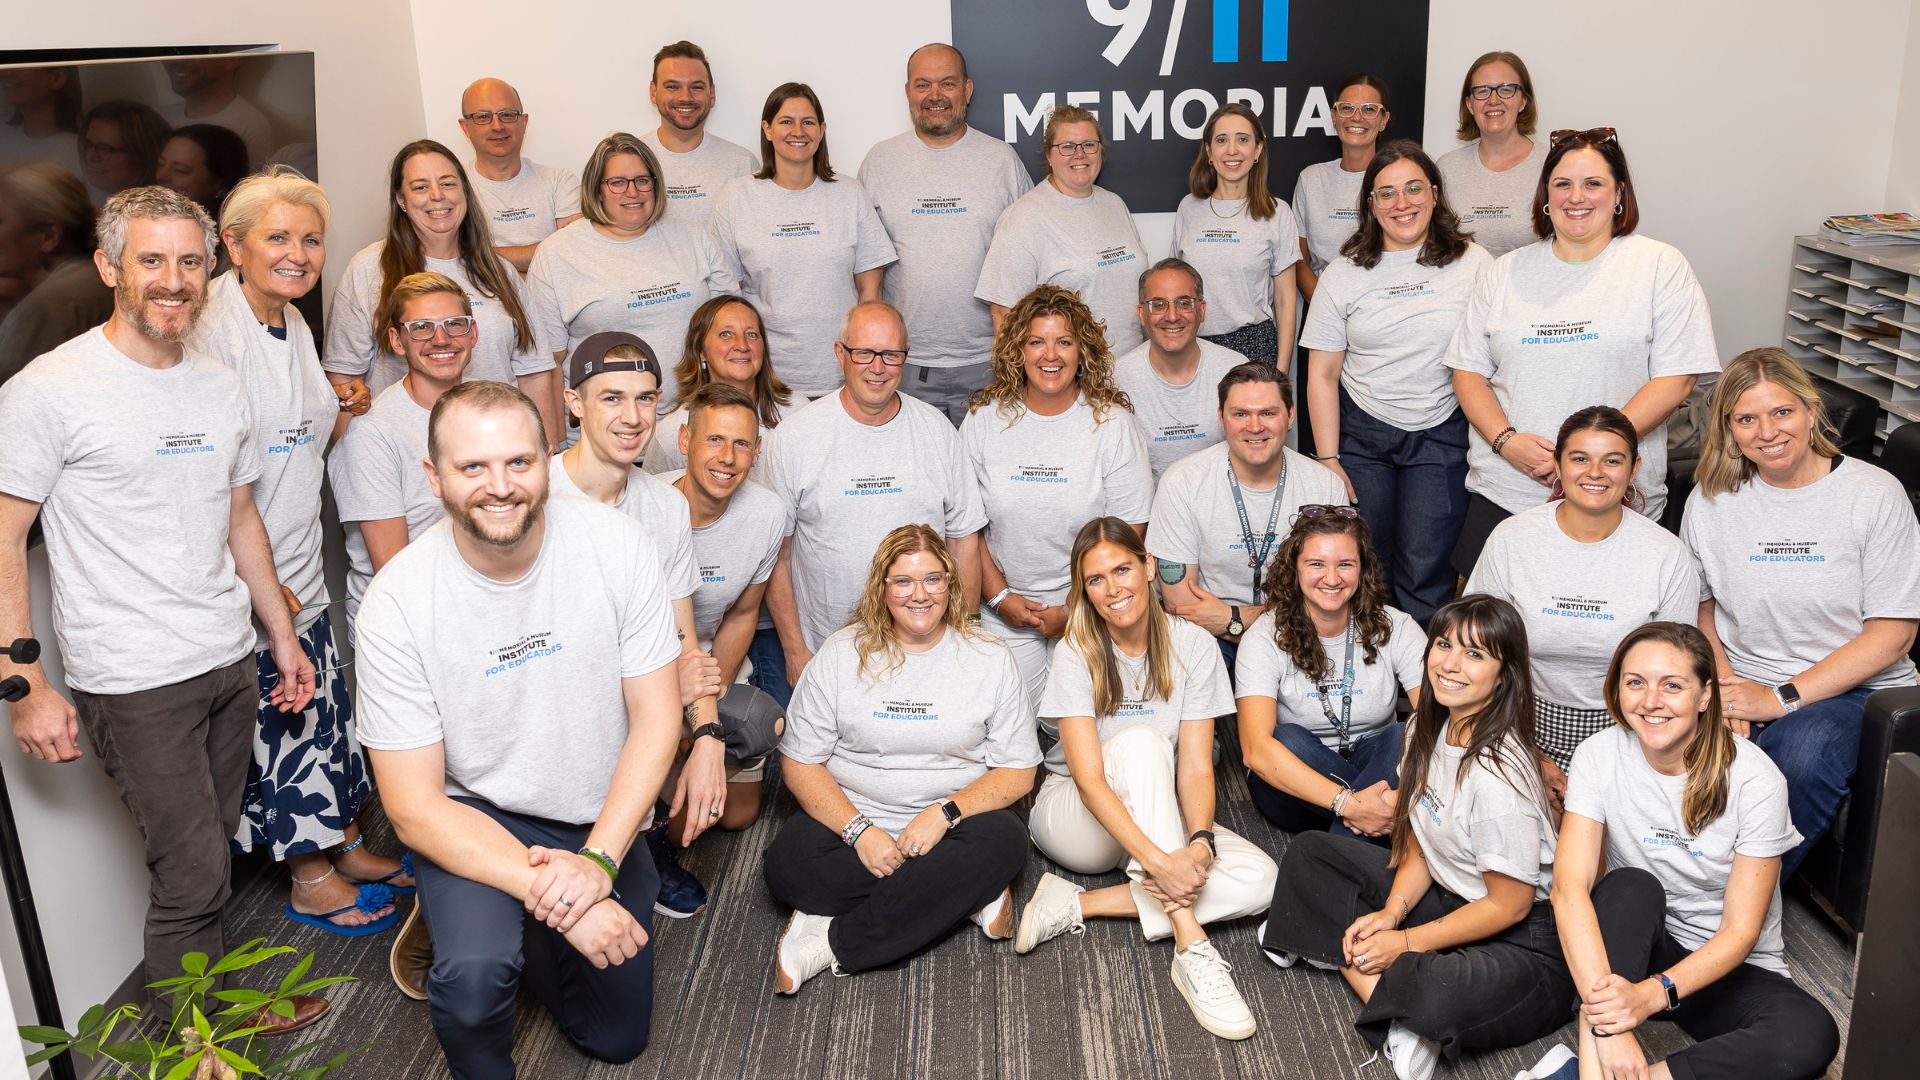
406,870
370,898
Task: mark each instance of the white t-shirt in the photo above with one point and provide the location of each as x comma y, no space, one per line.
1237,257
526,208
663,453
1039,475
352,349
377,473
1175,420
694,178
1195,521
794,254
519,681
1088,245
1262,670
1326,203
1468,826
1393,322
1200,690
661,511
939,207
1794,573
134,469
850,484
1579,600
733,552
899,743
1644,812
240,116
1555,337
1495,208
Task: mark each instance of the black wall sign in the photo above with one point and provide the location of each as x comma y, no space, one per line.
1153,70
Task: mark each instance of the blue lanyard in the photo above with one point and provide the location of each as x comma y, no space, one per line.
1342,724
1257,555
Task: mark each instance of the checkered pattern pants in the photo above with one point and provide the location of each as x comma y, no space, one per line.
1560,729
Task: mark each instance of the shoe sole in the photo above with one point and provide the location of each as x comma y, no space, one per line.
1224,1032
782,982
1024,937
1001,928
393,962
671,913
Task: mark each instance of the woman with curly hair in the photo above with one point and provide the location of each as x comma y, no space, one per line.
1317,677
907,740
1051,439
726,342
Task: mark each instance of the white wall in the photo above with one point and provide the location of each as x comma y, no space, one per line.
1903,178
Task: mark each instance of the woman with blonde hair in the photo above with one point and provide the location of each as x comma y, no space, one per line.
1132,701
1051,439
726,342
908,738
1810,579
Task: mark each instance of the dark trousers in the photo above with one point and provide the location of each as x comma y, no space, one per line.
1507,990
1373,758
1751,1024
179,755
1412,489
485,945
881,921
769,662
1482,515
1817,748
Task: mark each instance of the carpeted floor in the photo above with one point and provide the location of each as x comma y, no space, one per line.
1098,1005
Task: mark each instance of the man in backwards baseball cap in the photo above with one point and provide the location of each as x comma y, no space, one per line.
604,353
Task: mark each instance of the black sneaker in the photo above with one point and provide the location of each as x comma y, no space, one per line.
681,894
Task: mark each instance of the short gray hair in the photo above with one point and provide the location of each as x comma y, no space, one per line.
150,203
846,324
1171,263
251,198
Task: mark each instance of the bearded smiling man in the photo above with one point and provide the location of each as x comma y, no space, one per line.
695,163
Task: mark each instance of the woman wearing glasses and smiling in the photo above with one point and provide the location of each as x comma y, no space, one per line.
1325,195
1069,232
1490,180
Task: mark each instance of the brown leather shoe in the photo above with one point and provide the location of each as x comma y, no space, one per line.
412,955
307,1010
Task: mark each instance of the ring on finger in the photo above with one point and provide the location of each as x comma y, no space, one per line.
564,902
713,811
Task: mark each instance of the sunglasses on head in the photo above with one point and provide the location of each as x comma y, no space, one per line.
1591,136
1319,510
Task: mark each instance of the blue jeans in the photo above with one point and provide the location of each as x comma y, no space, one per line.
769,662
1374,758
1816,748
1412,489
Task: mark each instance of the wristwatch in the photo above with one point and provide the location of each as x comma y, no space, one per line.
1234,627
710,729
1673,992
1788,695
952,811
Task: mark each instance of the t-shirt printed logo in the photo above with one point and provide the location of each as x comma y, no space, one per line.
940,206
1039,474
677,192
1179,432
659,294
1560,333
1787,551
1218,236
1577,607
711,574
1486,213
1345,213
529,648
1132,705
795,230
1409,290
197,442
292,437
513,213
1431,806
874,485
1114,256
1668,838
892,709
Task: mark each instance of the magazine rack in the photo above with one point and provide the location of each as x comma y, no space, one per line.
1853,318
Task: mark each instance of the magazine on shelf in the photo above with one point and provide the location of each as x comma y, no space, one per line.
1871,230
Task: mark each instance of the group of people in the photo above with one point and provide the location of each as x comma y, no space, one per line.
894,484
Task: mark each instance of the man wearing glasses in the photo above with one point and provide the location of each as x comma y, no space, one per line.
853,466
695,164
1173,377
525,202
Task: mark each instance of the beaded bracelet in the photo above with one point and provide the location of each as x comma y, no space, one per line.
601,859
850,832
1500,440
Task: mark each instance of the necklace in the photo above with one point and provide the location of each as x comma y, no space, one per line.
1225,217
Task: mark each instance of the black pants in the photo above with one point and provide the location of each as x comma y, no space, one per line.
1504,991
485,946
1751,1024
1482,515
881,921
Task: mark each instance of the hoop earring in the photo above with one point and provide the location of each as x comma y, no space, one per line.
1619,208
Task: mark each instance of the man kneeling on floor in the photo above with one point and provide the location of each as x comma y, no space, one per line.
519,701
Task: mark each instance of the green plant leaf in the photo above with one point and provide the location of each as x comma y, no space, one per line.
48,1054
299,972
183,1070
46,1036
131,1053
241,997
194,963
239,1064
311,985
91,1018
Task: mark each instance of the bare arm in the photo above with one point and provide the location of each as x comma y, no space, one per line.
1653,403
455,836
1323,397
868,283
44,723
1303,271
966,557
520,257
253,564
785,612
734,635
1525,450
1723,668
1286,312
1195,604
1193,774
817,792
384,539
1881,642
1271,761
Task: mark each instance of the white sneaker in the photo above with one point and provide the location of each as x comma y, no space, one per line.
1054,910
996,919
803,952
1202,978
1558,1062
1413,1057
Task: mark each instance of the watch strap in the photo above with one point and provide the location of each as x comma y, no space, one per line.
952,811
1673,992
713,730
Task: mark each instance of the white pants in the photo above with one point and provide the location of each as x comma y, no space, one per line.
1139,769
1032,651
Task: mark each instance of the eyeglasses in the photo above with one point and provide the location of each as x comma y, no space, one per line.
618,184
1320,510
935,584
89,147
1159,305
486,117
1075,149
1350,109
456,326
1506,90
863,357
1415,190
1599,136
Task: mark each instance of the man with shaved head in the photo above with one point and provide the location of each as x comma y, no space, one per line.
525,202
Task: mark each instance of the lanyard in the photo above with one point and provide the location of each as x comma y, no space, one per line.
1342,724
1257,555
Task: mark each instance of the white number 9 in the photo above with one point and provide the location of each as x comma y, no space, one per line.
1131,17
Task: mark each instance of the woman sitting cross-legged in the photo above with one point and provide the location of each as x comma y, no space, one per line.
1133,693
1471,865
908,737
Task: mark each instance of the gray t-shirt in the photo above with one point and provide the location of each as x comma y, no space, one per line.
661,511
1088,245
1579,600
850,484
240,116
134,470
794,254
1038,476
899,742
1495,208
1196,523
377,473
663,453
1262,670
1200,691
1326,203
351,348
939,207
1643,810
1469,826
694,178
1393,322
1237,257
520,681
1175,420
1795,573
733,552
581,283
1553,337
527,208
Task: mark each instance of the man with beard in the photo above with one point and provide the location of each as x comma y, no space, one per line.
518,701
694,164
139,456
1173,376
525,201
939,189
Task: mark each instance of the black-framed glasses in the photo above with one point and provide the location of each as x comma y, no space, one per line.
619,184
1415,191
1319,510
89,147
486,117
863,357
902,585
1506,90
456,326
1591,136
1369,109
1160,305
1075,149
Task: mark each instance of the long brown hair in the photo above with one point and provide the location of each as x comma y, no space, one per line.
1293,629
875,638
1087,632
1723,468
769,393
1711,751
785,92
1093,373
1203,180
402,255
